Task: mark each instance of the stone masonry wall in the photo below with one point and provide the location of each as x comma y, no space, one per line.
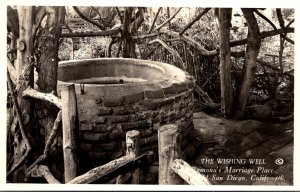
104,123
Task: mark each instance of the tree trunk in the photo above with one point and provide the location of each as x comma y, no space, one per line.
168,150
48,42
24,71
225,61
253,46
70,131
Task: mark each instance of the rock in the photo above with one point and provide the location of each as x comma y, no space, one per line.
247,126
252,140
260,111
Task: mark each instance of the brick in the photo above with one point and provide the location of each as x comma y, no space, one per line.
167,88
166,102
98,155
117,154
98,100
134,98
180,87
86,146
100,128
118,119
148,140
154,93
113,101
100,120
149,104
134,125
107,146
86,127
146,132
122,110
117,133
103,111
171,117
90,136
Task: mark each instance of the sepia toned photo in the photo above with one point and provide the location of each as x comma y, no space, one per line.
150,95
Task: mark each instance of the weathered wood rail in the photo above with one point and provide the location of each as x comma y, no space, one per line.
172,169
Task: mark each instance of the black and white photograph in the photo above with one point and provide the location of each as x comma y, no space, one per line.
149,95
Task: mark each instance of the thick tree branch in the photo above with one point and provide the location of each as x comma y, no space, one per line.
76,9
154,20
13,21
43,171
191,42
168,20
176,57
109,32
119,14
137,23
42,96
194,20
100,18
263,35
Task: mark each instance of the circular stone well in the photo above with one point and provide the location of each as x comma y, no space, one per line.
125,94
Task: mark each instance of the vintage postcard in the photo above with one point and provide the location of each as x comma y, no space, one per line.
188,96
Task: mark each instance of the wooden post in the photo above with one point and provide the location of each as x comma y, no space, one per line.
133,150
70,130
168,149
190,175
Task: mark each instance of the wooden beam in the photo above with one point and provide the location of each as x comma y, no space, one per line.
187,173
70,130
168,151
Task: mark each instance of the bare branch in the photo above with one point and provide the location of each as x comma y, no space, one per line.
76,9
263,34
42,96
21,127
119,14
100,18
12,71
154,20
137,23
43,171
168,20
274,27
109,32
194,20
176,57
191,42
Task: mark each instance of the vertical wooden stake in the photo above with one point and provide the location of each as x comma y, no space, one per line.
133,150
168,150
70,131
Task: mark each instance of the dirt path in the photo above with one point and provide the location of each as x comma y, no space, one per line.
244,152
